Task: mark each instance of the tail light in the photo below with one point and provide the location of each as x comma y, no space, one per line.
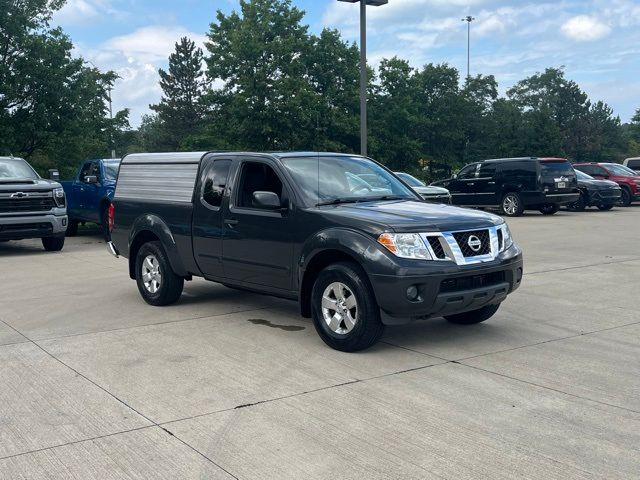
111,217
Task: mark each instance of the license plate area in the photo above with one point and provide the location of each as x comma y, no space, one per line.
560,185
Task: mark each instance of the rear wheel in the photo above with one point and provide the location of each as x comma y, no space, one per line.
511,205
550,209
579,205
474,316
72,228
157,282
53,244
344,309
626,198
605,207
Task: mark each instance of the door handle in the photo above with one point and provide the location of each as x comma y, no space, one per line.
470,183
231,222
491,183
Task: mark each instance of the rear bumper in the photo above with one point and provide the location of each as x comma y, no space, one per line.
445,292
33,226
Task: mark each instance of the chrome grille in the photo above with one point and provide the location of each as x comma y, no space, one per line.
465,238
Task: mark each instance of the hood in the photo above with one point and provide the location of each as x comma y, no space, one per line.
409,216
27,185
597,184
431,190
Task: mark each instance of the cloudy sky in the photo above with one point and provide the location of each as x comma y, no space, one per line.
597,41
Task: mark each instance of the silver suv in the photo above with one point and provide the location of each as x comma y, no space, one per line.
30,206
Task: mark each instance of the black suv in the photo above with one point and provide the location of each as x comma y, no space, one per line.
515,185
302,226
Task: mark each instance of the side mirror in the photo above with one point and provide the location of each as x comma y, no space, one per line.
266,200
54,174
92,179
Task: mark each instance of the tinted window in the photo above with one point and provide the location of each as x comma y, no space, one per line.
257,177
635,164
621,170
555,168
215,182
487,170
16,168
468,172
85,172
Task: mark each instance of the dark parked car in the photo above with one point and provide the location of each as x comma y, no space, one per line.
628,180
293,226
30,206
90,193
515,185
430,193
595,193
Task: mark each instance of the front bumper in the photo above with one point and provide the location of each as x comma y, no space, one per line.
605,197
448,290
33,226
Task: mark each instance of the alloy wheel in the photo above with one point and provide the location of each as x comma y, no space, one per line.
151,275
510,205
339,308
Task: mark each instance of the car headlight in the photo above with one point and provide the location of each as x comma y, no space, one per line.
59,198
507,239
405,245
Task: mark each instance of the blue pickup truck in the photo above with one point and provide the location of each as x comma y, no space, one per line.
89,195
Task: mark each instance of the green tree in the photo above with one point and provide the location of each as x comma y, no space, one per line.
180,110
266,101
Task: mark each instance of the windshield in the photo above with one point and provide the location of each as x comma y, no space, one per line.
327,180
583,176
16,168
554,167
410,179
620,170
111,169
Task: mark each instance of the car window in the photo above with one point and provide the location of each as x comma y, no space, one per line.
16,168
85,172
487,170
257,177
634,164
555,167
621,170
583,176
410,180
468,172
328,179
215,181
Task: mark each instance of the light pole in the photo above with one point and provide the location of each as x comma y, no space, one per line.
363,67
468,19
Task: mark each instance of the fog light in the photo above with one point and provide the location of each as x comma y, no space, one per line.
412,293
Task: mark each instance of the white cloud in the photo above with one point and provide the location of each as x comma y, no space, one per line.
585,28
77,12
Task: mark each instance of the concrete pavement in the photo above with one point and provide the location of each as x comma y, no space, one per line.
94,383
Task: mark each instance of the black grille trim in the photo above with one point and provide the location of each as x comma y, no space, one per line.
462,238
470,282
19,205
437,248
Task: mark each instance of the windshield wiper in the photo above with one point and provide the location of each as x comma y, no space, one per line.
387,197
338,201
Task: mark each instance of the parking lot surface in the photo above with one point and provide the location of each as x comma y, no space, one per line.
94,383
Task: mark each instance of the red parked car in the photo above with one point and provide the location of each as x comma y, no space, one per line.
628,180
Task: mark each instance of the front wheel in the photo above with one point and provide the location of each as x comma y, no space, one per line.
511,205
549,209
625,199
605,207
345,312
474,316
579,205
157,282
53,244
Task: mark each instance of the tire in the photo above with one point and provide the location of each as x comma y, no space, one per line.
474,316
358,326
72,228
550,209
157,282
626,198
511,205
104,218
53,244
579,205
605,207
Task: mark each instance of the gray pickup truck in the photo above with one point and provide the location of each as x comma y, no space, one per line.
30,206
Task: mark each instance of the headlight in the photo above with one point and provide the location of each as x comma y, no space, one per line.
405,245
58,197
507,240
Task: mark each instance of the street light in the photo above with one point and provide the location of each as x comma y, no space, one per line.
363,67
468,19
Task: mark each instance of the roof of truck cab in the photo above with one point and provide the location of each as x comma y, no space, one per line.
312,154
519,159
